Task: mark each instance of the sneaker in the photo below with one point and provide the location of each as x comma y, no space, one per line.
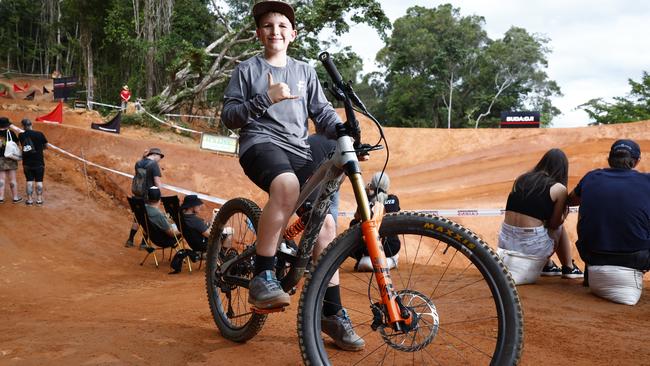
364,264
29,202
551,270
128,243
573,272
392,261
143,245
265,292
339,328
19,199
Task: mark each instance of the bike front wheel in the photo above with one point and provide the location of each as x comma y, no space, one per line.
466,303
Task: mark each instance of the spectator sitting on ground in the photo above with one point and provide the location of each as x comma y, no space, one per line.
613,221
196,231
159,219
377,191
535,211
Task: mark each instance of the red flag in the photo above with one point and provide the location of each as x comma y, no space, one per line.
18,89
3,93
25,86
56,116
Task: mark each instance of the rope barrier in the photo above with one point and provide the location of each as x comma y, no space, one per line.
103,105
219,201
460,212
187,115
173,125
47,76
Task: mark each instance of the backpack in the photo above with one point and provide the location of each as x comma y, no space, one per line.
28,146
139,183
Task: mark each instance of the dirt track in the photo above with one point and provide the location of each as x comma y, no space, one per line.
71,294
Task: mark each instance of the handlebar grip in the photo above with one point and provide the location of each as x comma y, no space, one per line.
325,58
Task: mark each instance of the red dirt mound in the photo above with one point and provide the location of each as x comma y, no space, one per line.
71,294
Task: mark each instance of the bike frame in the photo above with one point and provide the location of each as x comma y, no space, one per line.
326,180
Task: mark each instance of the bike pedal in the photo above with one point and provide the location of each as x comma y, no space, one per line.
267,311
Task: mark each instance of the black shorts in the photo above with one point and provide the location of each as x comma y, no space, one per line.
263,162
639,260
34,173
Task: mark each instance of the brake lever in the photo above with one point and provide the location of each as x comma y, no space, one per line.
336,92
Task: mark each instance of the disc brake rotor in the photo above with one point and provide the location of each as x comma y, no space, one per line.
426,325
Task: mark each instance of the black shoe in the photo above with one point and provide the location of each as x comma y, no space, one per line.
265,292
339,328
552,270
143,245
573,272
128,243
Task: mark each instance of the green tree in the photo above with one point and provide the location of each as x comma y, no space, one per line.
426,57
236,41
443,70
516,64
634,107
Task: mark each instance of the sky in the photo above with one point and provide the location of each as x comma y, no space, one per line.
596,46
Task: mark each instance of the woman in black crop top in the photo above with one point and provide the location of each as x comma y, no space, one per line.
535,211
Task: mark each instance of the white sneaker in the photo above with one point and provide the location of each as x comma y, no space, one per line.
392,261
364,265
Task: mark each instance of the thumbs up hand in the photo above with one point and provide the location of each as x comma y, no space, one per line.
279,91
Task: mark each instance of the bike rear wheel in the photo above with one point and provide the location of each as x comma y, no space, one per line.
466,302
228,292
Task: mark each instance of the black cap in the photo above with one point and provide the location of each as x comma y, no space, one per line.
626,145
262,7
191,200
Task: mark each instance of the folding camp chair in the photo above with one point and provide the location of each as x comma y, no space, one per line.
172,207
154,238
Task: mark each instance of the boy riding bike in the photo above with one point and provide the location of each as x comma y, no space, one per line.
269,98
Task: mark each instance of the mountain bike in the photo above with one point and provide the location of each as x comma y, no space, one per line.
450,300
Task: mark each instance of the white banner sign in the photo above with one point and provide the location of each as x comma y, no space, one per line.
219,143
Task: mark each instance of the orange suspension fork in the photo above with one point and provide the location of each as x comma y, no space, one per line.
370,232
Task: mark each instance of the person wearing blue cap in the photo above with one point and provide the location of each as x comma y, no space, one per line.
613,221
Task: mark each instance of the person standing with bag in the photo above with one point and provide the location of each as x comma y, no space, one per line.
8,166
33,143
147,174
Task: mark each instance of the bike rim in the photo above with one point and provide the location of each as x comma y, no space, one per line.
462,287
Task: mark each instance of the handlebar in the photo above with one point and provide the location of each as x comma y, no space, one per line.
343,91
331,69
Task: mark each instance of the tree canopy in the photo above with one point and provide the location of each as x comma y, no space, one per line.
439,67
444,71
634,107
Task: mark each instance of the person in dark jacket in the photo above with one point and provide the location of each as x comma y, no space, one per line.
614,217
